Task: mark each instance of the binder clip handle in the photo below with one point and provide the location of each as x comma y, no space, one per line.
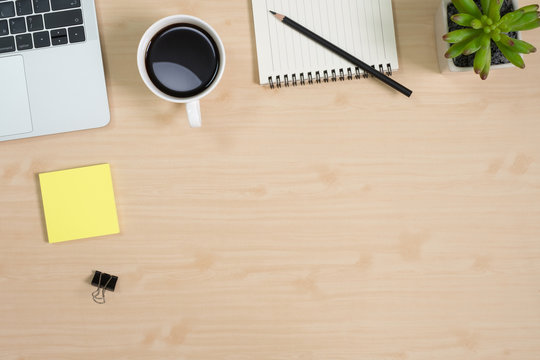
102,282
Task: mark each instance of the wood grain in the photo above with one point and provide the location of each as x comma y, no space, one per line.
339,221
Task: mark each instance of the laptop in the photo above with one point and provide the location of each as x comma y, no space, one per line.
51,69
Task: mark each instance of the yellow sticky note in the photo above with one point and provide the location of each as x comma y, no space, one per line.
79,203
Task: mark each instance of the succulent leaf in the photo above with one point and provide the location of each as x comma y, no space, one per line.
525,18
524,47
485,5
511,17
476,24
507,40
463,19
494,12
517,45
496,36
529,8
481,57
519,26
513,56
456,49
473,46
485,71
467,7
460,35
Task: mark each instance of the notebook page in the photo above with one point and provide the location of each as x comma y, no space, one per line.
364,28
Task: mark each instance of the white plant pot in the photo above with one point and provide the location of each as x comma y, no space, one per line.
441,28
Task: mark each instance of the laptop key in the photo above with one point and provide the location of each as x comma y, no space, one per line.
4,28
58,33
76,34
63,19
59,37
24,7
34,23
17,25
41,6
60,40
65,4
7,9
42,39
24,42
7,44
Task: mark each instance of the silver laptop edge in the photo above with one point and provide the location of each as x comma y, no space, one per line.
65,86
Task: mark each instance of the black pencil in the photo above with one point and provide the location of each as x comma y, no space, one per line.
342,53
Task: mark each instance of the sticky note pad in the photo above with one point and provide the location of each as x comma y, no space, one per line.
79,203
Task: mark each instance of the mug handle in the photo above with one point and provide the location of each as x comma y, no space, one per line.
194,114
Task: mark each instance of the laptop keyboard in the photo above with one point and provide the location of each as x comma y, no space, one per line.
35,24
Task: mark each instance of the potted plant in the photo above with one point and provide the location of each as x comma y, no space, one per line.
485,34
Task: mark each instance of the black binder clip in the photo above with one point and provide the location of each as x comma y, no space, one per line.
102,282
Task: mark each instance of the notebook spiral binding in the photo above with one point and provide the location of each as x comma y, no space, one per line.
310,78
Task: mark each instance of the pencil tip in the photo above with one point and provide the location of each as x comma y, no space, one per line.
278,16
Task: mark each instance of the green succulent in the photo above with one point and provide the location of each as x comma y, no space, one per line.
481,28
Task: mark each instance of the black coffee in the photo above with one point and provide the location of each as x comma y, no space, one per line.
182,60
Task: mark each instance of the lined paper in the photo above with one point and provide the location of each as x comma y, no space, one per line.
364,28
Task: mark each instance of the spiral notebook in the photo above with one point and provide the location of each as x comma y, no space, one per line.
363,28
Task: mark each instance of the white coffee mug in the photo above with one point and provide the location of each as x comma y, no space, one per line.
192,103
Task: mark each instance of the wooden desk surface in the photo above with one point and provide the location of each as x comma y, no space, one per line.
339,221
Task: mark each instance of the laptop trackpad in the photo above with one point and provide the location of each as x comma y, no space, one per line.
14,105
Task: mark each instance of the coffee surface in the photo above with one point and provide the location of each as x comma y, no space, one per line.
182,60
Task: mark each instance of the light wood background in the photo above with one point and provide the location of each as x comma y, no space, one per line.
338,221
